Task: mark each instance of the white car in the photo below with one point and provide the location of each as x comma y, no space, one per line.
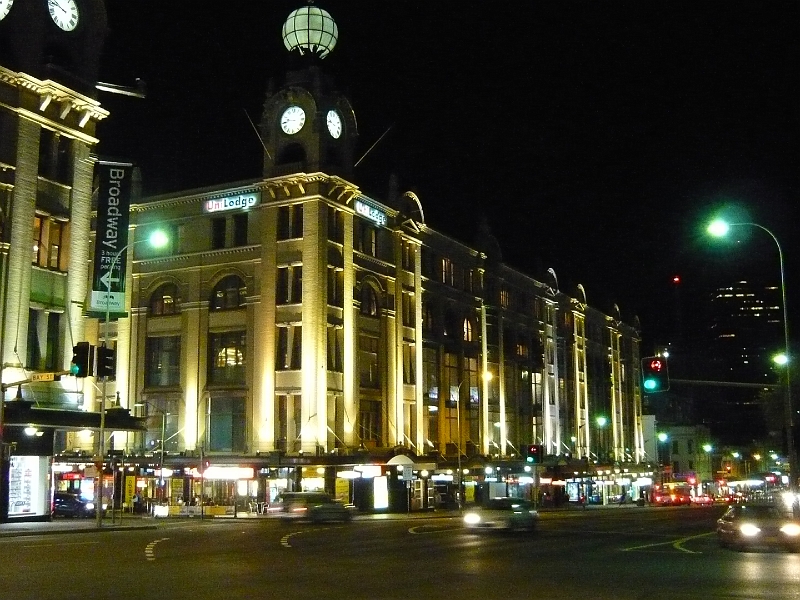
502,513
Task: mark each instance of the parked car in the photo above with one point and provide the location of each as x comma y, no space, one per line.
746,526
66,504
313,506
502,513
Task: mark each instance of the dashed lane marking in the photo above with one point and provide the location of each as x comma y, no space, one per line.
150,549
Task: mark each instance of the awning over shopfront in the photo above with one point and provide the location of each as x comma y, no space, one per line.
21,413
407,462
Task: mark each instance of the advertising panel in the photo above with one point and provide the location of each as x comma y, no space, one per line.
28,489
110,260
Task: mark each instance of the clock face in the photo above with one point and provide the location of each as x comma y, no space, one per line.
293,119
5,7
334,124
64,13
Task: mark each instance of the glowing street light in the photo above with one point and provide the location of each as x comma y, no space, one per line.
719,228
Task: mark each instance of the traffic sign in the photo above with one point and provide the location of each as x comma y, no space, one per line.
43,376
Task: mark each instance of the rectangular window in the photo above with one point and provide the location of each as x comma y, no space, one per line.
369,421
409,310
335,225
227,354
218,233
408,257
368,361
54,238
227,427
365,238
162,361
505,299
409,363
288,356
43,340
289,285
335,286
290,222
430,370
335,342
240,229
38,242
162,417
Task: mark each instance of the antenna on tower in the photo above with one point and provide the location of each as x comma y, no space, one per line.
258,135
373,145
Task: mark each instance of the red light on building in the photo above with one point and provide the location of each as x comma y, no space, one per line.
676,279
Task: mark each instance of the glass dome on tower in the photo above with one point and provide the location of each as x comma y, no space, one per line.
310,29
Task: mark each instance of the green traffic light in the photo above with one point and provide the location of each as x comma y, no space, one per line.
650,384
74,369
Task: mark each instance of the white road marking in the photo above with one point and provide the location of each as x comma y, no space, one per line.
149,550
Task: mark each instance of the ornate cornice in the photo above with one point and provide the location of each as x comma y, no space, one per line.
52,91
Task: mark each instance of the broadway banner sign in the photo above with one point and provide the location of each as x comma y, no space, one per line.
111,242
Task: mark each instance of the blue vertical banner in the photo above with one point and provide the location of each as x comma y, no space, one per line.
111,240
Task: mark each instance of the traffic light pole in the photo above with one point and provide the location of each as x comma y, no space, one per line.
102,434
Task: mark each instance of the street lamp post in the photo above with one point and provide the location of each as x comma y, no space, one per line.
162,441
157,239
458,446
720,228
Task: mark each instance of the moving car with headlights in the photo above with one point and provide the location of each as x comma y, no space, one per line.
758,526
316,507
502,513
71,505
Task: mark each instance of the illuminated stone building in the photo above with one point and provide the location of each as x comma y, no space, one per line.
296,320
293,321
49,56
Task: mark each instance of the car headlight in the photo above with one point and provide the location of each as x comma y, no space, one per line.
749,529
788,499
791,529
472,518
89,505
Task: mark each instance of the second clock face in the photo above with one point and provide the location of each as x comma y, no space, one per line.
5,8
293,119
64,13
334,124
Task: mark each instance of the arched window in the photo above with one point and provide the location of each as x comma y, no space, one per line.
164,300
369,301
229,293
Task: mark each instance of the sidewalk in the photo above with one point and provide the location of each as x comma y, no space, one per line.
72,526
130,522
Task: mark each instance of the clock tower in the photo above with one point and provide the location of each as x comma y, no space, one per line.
307,125
49,59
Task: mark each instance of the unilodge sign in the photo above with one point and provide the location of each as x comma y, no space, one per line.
113,204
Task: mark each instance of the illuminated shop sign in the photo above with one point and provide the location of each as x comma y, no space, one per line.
370,212
241,201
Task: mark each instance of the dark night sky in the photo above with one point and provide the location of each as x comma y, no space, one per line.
596,137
